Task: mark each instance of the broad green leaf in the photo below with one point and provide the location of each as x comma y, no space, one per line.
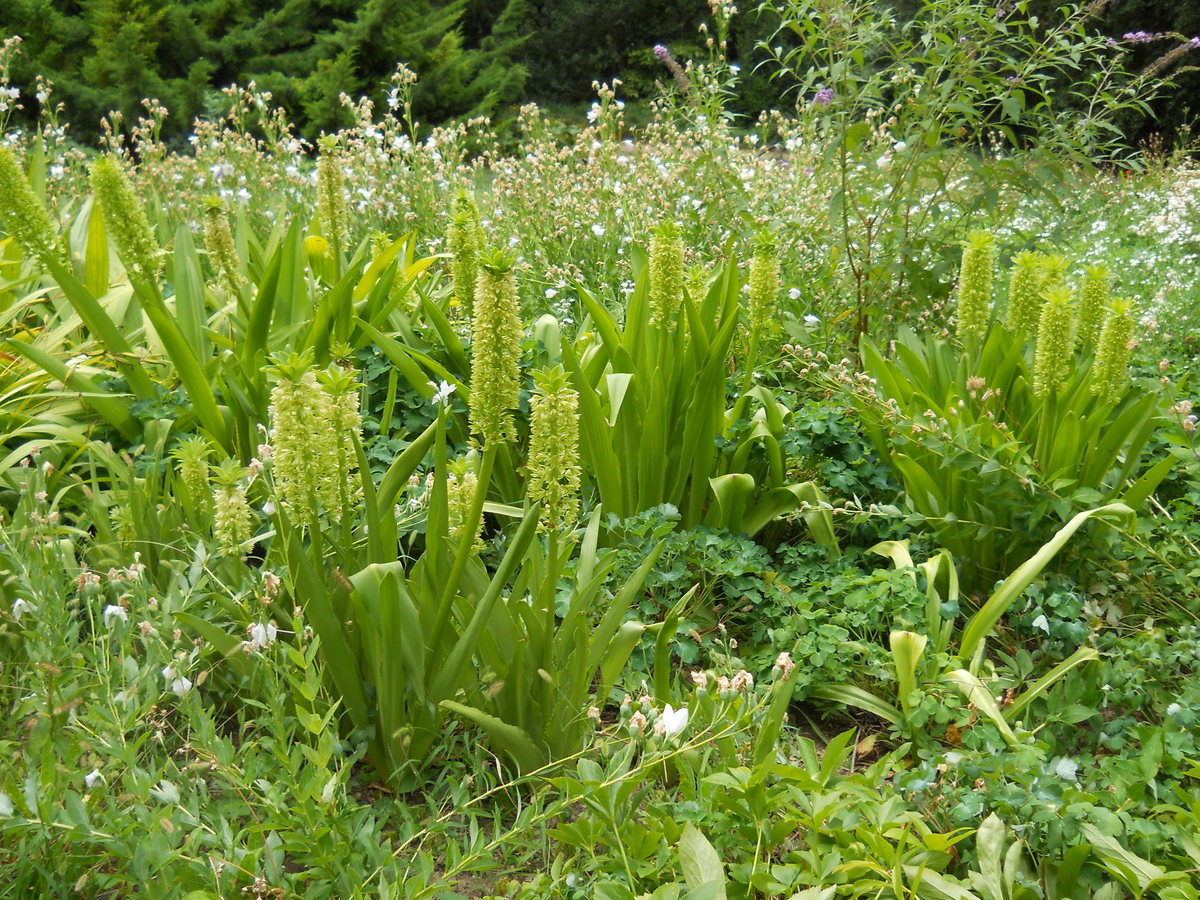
699,860
849,695
982,623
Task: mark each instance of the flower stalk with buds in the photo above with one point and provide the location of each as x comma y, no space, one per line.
1113,349
1055,341
1094,296
22,214
1024,293
666,274
126,220
495,350
232,518
975,284
553,463
465,242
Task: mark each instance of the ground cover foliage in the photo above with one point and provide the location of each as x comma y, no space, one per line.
800,510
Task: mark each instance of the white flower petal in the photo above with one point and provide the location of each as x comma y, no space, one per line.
674,720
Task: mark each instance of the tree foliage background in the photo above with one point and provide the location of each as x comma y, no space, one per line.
473,57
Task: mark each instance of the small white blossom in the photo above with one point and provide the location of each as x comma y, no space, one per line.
1173,709
598,230
263,634
111,612
812,321
674,720
442,392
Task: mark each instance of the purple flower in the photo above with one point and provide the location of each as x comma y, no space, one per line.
1143,37
823,97
662,52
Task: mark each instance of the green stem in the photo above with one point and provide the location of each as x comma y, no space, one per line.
464,552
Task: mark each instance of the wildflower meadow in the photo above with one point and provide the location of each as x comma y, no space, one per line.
650,500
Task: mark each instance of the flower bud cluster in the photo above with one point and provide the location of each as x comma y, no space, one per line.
666,274
975,283
1055,341
126,220
233,521
1111,369
332,212
461,485
218,240
465,242
314,422
22,214
495,350
553,464
192,456
1024,293
764,286
1094,296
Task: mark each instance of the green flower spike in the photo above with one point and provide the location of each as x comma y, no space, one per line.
305,444
332,212
1024,293
666,274
126,220
218,240
1055,341
342,388
233,521
764,285
1055,267
1111,370
1094,296
553,462
465,242
461,485
22,214
495,350
192,456
975,283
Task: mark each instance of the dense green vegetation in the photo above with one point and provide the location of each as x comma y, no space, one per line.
473,57
801,505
